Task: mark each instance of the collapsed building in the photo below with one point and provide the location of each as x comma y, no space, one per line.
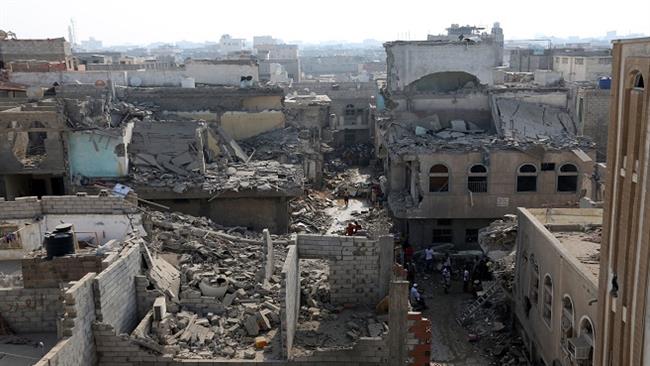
189,290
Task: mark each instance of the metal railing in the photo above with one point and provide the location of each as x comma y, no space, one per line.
477,187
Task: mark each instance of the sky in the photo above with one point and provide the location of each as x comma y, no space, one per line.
145,21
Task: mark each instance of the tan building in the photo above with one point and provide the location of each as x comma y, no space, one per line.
623,303
556,284
586,66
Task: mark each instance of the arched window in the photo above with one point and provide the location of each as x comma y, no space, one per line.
547,308
587,329
477,178
439,178
567,322
527,178
567,178
639,82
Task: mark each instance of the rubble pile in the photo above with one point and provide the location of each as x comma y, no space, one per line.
492,329
357,154
287,145
261,176
499,238
308,213
224,309
101,112
322,325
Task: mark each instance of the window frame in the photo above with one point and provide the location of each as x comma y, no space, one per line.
559,173
547,293
527,174
440,175
483,175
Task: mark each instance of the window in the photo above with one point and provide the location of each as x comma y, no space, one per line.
565,60
638,81
580,61
477,178
587,331
439,178
557,60
527,178
548,167
547,307
349,110
471,236
442,236
605,60
567,321
567,178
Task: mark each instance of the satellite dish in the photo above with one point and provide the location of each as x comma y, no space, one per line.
135,81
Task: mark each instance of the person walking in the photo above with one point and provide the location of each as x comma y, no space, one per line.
466,279
446,279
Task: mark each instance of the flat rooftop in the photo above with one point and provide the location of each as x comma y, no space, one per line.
578,230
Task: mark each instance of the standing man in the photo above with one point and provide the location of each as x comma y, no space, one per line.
446,279
466,278
428,256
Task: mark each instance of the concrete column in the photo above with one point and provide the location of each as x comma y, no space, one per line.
398,323
386,260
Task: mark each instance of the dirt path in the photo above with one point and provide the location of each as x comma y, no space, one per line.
449,344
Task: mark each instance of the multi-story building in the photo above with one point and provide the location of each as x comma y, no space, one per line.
55,50
624,338
583,65
556,284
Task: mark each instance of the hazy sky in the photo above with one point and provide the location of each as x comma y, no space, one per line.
122,21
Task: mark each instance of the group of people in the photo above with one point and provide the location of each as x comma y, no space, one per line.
472,273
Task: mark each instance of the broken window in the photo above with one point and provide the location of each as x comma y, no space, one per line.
567,178
471,236
36,140
442,236
527,178
477,178
439,178
547,309
638,81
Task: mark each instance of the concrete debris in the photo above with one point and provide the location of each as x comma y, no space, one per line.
308,213
499,238
288,145
224,305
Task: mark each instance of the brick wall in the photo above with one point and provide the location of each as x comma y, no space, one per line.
354,266
78,346
24,207
418,340
115,294
596,118
41,273
289,299
144,296
31,310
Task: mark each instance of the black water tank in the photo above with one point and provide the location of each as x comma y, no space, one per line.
59,242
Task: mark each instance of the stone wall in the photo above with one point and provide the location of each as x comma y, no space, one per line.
115,295
355,268
78,346
41,273
31,310
24,207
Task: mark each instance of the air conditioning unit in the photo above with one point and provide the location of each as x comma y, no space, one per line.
579,348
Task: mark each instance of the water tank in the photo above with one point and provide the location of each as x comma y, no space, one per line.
605,83
60,242
188,83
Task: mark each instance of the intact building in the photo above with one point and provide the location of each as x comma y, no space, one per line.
625,253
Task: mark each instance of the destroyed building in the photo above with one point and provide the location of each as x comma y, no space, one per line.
447,177
623,287
460,57
55,51
556,284
192,291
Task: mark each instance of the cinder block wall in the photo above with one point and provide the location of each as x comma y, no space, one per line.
354,266
41,273
115,294
31,310
24,207
78,346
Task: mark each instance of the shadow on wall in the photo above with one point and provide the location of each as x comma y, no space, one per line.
444,82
